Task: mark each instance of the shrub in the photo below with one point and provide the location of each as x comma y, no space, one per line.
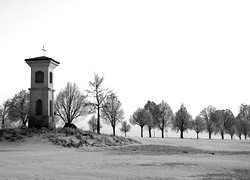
70,125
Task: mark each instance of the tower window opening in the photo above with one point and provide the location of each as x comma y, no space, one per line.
50,107
39,77
39,107
51,77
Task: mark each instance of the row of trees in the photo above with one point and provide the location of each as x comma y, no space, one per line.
223,122
161,116
71,103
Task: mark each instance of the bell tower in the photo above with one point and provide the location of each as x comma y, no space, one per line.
42,92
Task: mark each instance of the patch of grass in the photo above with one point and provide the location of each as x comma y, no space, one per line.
243,174
171,164
155,150
12,134
168,150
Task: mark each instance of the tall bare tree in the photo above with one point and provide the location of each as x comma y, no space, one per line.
70,103
112,112
140,117
181,121
224,120
19,107
97,95
4,112
164,116
197,125
207,115
152,108
125,127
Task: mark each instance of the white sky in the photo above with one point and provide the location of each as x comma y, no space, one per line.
191,52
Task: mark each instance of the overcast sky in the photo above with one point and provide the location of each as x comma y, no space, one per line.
191,52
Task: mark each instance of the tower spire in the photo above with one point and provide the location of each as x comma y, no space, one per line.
43,51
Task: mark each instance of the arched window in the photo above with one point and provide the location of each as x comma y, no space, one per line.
51,77
39,77
51,107
39,107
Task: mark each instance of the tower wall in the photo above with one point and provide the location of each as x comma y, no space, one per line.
42,92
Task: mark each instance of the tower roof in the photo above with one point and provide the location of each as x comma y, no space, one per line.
41,58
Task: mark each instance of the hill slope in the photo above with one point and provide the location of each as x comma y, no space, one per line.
66,137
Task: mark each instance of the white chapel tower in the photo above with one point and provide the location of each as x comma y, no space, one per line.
42,92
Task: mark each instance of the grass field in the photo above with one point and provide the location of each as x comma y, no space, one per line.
154,158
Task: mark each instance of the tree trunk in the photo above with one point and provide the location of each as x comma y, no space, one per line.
240,136
162,133
232,136
245,136
209,135
98,120
222,135
197,135
141,131
113,130
181,134
2,123
125,134
149,132
24,122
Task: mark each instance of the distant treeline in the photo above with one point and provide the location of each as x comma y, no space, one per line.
210,120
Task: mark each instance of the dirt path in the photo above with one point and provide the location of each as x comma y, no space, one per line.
38,159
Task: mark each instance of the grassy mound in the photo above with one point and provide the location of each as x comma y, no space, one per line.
69,137
66,137
18,134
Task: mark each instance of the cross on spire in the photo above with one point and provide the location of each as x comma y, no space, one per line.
43,51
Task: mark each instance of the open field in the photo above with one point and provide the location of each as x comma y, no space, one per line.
156,158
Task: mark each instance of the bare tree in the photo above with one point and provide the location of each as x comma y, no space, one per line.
197,125
242,126
97,95
150,123
243,121
224,120
232,130
112,112
152,108
181,121
140,117
19,107
238,126
164,115
207,115
4,112
125,127
70,103
93,123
